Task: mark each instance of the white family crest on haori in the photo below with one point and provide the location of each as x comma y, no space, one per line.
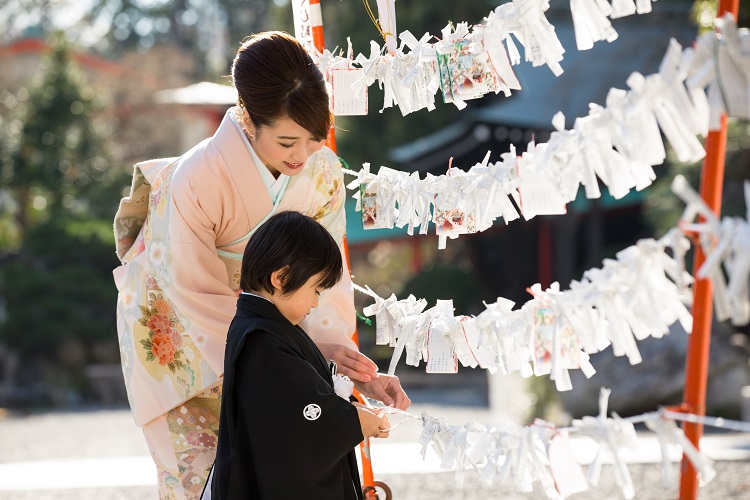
312,412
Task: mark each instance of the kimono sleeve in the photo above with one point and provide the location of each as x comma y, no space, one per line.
334,320
297,425
181,246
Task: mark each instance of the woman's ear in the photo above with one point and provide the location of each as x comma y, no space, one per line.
277,279
247,124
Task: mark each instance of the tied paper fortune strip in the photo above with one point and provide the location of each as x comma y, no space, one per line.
458,203
409,74
637,295
726,245
721,62
640,294
522,455
612,435
618,144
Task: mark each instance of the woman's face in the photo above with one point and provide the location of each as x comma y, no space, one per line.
284,146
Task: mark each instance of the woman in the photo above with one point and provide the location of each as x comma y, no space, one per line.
180,236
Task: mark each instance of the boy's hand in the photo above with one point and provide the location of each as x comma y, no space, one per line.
351,363
372,425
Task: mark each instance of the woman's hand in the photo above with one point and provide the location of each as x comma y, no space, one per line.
385,388
351,363
372,425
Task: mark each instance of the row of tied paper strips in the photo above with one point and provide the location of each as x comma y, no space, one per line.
467,63
638,295
617,144
541,453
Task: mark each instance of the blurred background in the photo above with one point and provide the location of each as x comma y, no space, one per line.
87,88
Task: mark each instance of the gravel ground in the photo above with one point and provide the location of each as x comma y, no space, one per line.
111,433
732,481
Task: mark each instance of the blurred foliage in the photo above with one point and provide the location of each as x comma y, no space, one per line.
54,151
704,13
59,287
30,17
547,404
447,282
209,29
58,196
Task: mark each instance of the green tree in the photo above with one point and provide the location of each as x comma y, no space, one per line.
209,29
55,155
59,192
704,13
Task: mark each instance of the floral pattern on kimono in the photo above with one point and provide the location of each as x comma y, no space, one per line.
177,294
329,188
194,428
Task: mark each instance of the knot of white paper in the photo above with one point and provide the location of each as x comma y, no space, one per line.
669,434
639,294
343,386
612,435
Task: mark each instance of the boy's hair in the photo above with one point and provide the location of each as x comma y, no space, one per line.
295,242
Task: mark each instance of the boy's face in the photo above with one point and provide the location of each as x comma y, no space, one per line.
296,305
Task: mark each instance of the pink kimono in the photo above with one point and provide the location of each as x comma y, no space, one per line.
178,287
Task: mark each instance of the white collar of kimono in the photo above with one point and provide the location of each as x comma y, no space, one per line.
273,185
259,296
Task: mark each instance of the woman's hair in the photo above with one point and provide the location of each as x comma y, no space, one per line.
296,244
275,77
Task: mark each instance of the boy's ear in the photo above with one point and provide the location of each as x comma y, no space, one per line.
277,279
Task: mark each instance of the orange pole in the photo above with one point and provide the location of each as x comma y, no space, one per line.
696,366
316,21
368,479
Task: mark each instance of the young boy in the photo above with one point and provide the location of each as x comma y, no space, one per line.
283,432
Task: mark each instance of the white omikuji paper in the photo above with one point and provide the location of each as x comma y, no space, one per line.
726,245
345,100
537,456
387,20
639,294
722,63
617,145
302,23
441,353
408,73
607,307
538,195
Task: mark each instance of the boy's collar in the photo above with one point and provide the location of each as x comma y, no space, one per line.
256,295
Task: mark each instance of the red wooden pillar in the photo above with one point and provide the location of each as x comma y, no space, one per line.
696,366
